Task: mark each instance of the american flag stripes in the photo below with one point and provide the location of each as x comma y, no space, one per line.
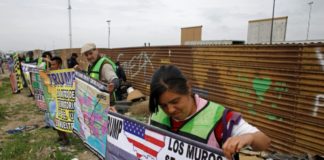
146,143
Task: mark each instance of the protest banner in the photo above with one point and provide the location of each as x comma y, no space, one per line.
17,71
37,86
58,90
38,91
26,69
12,75
132,140
91,113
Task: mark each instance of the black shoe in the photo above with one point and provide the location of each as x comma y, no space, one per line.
31,95
65,142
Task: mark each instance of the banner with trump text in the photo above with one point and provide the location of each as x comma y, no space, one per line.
128,139
59,93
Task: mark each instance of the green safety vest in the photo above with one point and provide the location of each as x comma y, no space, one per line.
27,59
94,71
40,61
198,127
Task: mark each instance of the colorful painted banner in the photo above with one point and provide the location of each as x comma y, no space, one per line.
59,93
132,140
91,113
18,72
38,91
27,68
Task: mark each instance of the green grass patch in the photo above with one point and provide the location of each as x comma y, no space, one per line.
5,91
3,113
38,144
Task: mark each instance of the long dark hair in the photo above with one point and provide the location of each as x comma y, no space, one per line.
167,77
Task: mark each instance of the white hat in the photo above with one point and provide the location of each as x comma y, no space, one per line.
87,47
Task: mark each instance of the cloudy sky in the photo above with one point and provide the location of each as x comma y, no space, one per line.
43,24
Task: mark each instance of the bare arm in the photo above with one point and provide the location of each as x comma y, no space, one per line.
257,140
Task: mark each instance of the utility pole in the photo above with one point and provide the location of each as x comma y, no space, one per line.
309,18
273,9
70,25
108,21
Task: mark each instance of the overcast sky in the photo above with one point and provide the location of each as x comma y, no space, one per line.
43,24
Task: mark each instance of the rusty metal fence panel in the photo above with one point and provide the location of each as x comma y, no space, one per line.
278,88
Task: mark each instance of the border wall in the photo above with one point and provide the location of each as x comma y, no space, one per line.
278,88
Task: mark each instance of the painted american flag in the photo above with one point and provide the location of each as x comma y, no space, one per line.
147,144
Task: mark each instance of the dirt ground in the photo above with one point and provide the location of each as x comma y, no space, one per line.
21,111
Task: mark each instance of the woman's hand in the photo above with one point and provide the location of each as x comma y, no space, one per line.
234,144
257,140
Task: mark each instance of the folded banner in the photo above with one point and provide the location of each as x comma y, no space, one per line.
17,72
59,93
129,139
91,113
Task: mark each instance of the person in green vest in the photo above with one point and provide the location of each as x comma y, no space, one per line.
30,57
101,68
175,108
43,62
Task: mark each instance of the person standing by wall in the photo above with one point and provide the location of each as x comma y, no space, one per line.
101,68
72,61
122,80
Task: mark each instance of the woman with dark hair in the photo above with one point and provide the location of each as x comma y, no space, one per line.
175,108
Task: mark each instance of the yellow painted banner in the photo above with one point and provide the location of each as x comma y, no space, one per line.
59,93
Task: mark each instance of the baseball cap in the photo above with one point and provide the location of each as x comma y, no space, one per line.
87,47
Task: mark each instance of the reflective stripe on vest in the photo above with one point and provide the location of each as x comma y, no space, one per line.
96,69
198,127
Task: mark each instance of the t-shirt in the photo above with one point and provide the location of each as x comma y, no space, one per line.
107,73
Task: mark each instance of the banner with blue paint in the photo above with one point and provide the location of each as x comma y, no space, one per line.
91,113
59,93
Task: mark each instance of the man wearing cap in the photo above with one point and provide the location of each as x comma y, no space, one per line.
101,68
